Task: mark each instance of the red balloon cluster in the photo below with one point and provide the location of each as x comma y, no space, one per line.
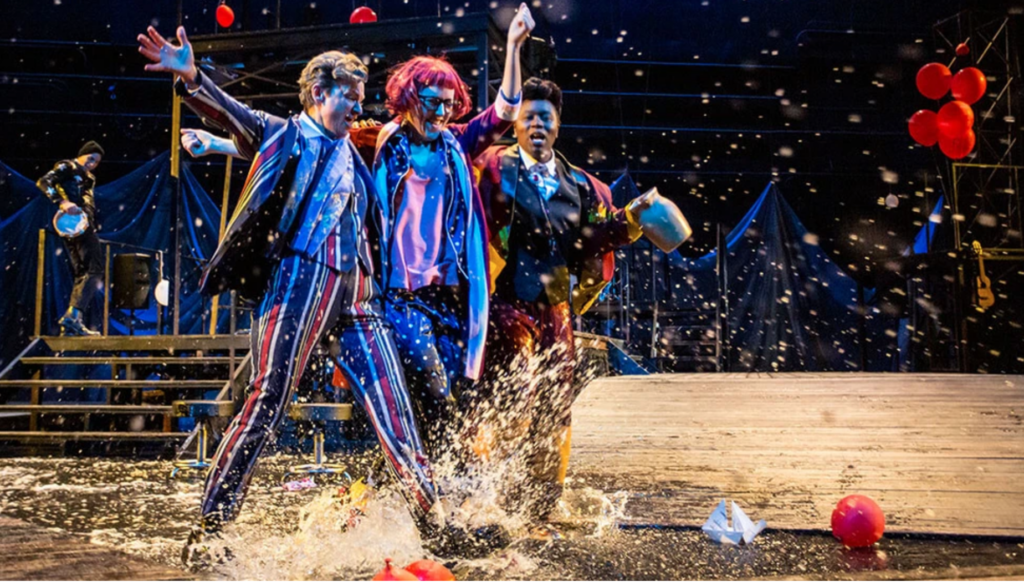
362,15
858,521
418,570
951,127
225,16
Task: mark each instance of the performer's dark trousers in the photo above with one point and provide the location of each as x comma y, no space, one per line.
86,258
428,332
529,371
307,301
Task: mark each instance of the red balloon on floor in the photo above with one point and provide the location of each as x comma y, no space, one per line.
430,570
924,127
392,573
957,147
955,119
968,85
225,15
362,15
933,80
858,521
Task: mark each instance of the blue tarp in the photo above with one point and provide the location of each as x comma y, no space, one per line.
136,210
789,306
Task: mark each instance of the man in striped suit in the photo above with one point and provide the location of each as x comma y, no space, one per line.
298,239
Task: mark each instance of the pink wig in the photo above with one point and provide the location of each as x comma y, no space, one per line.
418,73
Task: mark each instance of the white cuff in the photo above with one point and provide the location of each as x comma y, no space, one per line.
506,109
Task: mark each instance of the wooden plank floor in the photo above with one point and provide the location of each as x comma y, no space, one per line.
940,453
31,552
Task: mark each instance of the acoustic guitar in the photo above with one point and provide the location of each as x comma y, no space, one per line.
984,285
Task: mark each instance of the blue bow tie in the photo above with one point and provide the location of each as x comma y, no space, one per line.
545,182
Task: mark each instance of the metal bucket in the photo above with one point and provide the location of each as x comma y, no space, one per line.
663,223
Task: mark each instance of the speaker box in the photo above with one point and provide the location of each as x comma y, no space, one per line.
131,281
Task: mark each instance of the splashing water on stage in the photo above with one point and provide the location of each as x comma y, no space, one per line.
321,532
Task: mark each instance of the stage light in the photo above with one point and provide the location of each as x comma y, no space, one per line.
162,292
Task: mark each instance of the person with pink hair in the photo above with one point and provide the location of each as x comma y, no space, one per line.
434,236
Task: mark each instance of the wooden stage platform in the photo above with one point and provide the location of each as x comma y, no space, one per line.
941,453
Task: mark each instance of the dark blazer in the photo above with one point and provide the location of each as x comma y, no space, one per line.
589,247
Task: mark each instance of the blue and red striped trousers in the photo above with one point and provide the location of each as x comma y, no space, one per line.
308,302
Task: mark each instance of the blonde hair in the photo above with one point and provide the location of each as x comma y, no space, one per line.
328,69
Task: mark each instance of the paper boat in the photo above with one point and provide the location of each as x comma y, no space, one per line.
742,529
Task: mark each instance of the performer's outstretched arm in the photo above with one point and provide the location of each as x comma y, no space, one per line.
483,130
202,95
518,33
604,228
199,143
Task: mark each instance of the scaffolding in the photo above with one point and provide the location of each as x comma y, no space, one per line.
985,194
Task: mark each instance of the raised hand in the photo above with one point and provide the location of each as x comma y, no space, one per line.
166,56
521,27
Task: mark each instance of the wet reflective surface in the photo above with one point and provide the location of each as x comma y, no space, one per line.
135,507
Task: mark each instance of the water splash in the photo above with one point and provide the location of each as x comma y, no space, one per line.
323,546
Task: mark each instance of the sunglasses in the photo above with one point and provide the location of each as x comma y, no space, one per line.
431,103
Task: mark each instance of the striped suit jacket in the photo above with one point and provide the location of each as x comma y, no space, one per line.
267,208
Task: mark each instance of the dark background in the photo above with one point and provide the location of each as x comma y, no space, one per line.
828,83
707,99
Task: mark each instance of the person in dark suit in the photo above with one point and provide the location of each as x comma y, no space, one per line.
298,240
70,185
550,223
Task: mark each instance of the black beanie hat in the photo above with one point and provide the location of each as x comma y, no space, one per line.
91,147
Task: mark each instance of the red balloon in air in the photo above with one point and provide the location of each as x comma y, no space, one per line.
955,119
362,15
430,570
962,50
933,80
968,85
392,573
957,147
225,16
858,521
924,127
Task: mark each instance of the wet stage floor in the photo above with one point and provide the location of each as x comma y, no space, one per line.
650,461
133,507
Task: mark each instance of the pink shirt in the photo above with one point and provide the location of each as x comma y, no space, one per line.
421,254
